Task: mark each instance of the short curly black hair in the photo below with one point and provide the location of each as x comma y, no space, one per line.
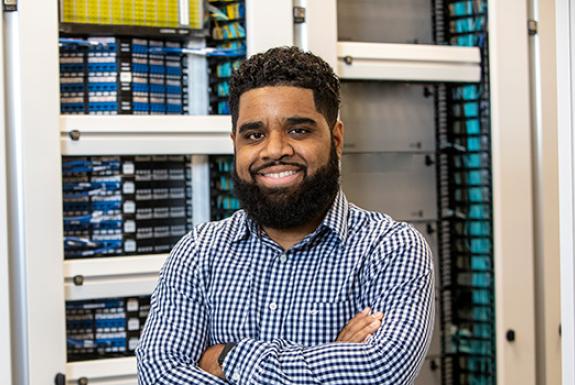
287,66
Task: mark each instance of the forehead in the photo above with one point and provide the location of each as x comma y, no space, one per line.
276,100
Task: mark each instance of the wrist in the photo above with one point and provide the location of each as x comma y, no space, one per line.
224,353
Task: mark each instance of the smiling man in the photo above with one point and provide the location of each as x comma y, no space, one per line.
300,286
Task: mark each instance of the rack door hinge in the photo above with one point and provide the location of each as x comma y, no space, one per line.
532,27
298,15
9,5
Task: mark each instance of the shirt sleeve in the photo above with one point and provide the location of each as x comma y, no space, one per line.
398,280
175,334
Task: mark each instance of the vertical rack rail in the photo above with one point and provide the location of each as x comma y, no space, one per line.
6,348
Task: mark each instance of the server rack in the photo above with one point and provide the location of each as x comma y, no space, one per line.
39,269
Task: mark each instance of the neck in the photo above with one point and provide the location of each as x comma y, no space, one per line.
286,238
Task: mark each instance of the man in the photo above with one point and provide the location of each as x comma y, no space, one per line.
299,287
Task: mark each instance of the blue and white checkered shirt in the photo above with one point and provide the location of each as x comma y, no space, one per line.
227,281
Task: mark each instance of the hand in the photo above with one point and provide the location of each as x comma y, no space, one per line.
209,361
360,327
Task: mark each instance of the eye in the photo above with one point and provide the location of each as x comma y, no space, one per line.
253,136
299,131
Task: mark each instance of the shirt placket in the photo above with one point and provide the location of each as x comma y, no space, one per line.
278,295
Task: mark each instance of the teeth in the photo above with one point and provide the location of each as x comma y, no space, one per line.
281,174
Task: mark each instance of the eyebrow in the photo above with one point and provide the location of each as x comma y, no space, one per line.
295,120
250,126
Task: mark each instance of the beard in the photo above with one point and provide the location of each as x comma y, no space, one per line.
285,207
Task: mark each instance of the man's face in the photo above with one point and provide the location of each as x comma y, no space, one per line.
285,156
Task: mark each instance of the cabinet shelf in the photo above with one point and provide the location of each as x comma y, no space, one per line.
145,135
117,371
111,276
408,62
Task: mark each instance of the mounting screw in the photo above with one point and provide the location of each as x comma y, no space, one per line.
510,335
532,27
10,5
74,135
78,280
82,381
348,60
298,15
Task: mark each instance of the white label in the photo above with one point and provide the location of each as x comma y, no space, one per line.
130,246
133,324
133,343
129,207
125,77
129,226
128,188
132,305
128,168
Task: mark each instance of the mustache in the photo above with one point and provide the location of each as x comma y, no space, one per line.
255,170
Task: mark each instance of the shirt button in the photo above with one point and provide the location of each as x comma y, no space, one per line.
236,376
283,258
273,306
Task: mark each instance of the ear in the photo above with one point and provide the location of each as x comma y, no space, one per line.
337,134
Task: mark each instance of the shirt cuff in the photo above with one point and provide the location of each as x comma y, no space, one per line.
241,361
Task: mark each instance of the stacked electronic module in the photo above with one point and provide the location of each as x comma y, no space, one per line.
112,75
125,205
104,327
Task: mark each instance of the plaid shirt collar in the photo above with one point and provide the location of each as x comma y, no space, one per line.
335,221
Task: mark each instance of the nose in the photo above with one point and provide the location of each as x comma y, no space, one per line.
277,146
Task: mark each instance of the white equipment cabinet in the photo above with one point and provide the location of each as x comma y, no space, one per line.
38,136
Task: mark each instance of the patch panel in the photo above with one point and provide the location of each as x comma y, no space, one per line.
110,75
223,201
125,205
467,299
227,31
104,328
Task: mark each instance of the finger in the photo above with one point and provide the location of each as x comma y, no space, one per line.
359,322
348,329
373,325
378,315
364,313
362,334
359,326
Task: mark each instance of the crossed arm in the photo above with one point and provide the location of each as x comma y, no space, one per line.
359,329
174,350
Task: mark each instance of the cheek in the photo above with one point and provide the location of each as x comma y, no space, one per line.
243,163
316,157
